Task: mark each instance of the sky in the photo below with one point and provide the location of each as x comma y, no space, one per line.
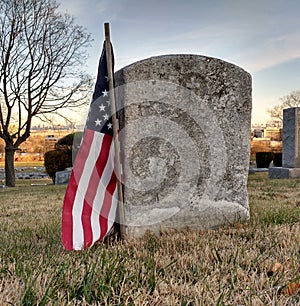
260,36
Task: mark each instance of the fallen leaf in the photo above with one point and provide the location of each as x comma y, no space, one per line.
276,267
291,289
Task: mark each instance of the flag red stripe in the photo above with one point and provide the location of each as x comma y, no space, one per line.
67,216
107,205
90,196
92,190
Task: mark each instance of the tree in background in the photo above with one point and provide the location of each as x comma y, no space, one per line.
41,57
291,100
1,148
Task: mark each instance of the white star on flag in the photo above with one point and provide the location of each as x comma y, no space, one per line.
102,107
105,93
98,122
109,126
106,117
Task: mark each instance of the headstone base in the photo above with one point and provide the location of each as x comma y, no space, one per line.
282,172
209,214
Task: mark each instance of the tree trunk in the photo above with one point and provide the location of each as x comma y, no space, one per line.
10,179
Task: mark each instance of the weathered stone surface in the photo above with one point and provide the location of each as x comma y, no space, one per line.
291,138
186,142
282,173
290,146
62,177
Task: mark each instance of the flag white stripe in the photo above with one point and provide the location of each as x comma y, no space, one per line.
113,210
99,197
78,235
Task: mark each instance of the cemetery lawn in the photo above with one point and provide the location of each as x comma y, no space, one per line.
25,164
232,265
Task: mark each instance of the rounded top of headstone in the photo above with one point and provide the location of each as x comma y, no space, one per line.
182,63
201,74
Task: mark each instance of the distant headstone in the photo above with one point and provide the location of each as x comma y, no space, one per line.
186,142
62,177
290,146
291,138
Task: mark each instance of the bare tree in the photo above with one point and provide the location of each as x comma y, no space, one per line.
291,100
41,58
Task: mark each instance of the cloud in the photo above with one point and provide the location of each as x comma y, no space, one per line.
252,34
271,52
249,46
90,9
102,6
74,8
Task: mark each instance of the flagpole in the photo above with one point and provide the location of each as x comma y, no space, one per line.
115,123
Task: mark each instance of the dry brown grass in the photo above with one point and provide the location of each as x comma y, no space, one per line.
228,266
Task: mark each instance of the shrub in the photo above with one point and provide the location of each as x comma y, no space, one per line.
263,159
57,160
65,143
61,158
277,159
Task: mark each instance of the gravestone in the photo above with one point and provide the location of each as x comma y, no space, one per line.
62,177
185,141
290,146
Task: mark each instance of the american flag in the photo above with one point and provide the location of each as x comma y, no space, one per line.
90,202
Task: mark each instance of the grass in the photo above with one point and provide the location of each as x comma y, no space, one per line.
25,164
228,266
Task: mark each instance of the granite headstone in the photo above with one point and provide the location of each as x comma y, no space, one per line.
62,177
290,146
186,141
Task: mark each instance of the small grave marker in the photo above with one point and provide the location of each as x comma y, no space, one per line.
62,177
